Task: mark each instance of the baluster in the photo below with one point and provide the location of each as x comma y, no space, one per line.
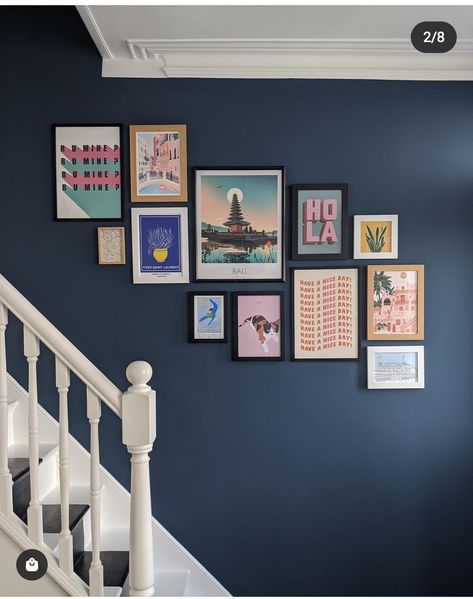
6,497
139,433
65,537
96,567
35,510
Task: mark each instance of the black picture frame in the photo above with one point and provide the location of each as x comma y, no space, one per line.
357,268
343,254
191,295
55,175
195,236
236,324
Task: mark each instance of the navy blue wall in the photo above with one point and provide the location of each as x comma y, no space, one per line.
281,478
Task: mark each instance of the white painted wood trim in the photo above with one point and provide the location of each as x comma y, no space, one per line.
72,586
35,510
17,392
6,482
94,30
289,59
60,345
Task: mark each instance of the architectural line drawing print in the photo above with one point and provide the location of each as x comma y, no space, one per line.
258,326
239,233
325,313
160,245
158,163
395,302
395,367
111,245
375,237
88,172
319,221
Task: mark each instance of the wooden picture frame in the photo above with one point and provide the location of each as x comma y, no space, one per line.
395,302
258,326
239,243
111,245
88,166
401,368
158,163
208,309
375,237
325,313
320,221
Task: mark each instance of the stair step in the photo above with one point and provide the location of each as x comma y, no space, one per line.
52,516
18,467
170,583
115,567
20,471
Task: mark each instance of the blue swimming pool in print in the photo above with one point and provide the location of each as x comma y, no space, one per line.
155,189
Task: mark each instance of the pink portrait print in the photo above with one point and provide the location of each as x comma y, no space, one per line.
259,326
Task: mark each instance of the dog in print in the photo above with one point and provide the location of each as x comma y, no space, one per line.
265,330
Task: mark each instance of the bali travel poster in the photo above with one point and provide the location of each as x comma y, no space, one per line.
88,172
159,239
396,302
239,224
325,314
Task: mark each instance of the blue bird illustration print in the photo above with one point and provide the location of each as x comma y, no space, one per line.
211,313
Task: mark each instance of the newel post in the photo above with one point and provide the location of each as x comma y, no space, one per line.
139,433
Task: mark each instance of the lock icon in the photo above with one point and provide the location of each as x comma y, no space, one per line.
31,565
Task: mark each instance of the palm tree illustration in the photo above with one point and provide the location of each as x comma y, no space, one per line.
382,284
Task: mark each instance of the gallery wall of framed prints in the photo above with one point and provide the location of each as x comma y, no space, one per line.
239,239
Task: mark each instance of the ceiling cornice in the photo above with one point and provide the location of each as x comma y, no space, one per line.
279,58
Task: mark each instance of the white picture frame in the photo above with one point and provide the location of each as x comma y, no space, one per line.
398,367
160,245
360,244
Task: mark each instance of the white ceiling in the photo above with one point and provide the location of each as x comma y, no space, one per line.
276,41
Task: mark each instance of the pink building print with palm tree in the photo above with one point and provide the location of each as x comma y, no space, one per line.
395,302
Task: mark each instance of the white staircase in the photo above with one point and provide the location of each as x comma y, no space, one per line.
55,496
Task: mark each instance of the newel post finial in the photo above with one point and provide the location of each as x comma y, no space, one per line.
139,433
139,373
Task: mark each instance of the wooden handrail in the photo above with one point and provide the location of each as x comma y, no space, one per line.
74,359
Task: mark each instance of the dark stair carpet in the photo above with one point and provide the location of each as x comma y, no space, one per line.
115,567
20,471
115,563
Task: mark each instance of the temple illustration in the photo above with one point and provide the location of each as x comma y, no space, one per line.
236,222
239,230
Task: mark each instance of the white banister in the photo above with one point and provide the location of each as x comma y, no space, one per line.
139,433
6,497
96,567
136,407
48,334
35,510
65,537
